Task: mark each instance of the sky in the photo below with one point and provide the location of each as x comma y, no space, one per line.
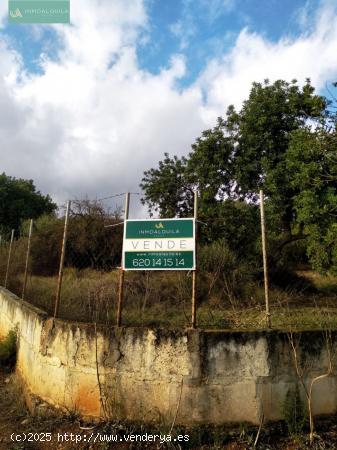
86,107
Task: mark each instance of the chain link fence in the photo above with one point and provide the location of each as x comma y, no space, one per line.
230,289
5,244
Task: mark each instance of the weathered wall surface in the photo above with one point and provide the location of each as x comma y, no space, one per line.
145,374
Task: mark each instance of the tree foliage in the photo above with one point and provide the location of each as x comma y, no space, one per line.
166,188
312,169
19,200
283,140
90,244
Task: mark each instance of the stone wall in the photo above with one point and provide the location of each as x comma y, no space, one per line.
150,374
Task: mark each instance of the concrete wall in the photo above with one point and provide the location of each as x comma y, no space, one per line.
146,374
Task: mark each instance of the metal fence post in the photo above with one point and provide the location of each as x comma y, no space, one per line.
194,273
122,272
265,261
64,241
9,257
27,260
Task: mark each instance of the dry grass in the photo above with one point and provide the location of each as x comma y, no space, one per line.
163,299
324,283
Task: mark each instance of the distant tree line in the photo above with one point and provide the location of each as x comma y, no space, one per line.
89,243
283,140
19,201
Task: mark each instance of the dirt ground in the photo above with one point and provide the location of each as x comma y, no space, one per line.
20,431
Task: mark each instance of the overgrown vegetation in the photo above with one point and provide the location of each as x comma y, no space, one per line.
8,350
90,243
282,140
162,299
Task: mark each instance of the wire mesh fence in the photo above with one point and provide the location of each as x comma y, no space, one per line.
230,289
16,264
4,254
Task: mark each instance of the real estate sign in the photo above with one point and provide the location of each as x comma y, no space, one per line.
159,244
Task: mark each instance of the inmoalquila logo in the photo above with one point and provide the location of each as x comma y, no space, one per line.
39,11
15,14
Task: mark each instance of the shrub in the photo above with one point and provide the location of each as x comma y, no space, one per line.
225,274
90,244
8,349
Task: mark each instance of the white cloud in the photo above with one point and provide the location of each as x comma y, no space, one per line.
228,79
86,126
100,29
93,121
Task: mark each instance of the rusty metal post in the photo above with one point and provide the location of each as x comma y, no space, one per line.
121,271
27,259
64,241
194,273
265,261
9,257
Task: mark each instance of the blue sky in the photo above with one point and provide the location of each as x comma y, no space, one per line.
199,29
87,107
207,29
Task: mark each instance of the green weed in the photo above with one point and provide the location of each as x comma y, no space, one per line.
294,411
8,349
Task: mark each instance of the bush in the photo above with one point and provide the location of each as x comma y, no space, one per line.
225,274
8,350
90,244
46,246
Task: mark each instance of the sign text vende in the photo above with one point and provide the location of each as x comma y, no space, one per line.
159,244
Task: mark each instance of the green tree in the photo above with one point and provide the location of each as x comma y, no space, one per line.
19,200
249,150
167,189
262,132
244,152
312,169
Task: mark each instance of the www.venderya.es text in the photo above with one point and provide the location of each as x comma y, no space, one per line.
97,437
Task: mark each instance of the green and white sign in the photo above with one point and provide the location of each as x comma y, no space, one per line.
159,244
39,11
